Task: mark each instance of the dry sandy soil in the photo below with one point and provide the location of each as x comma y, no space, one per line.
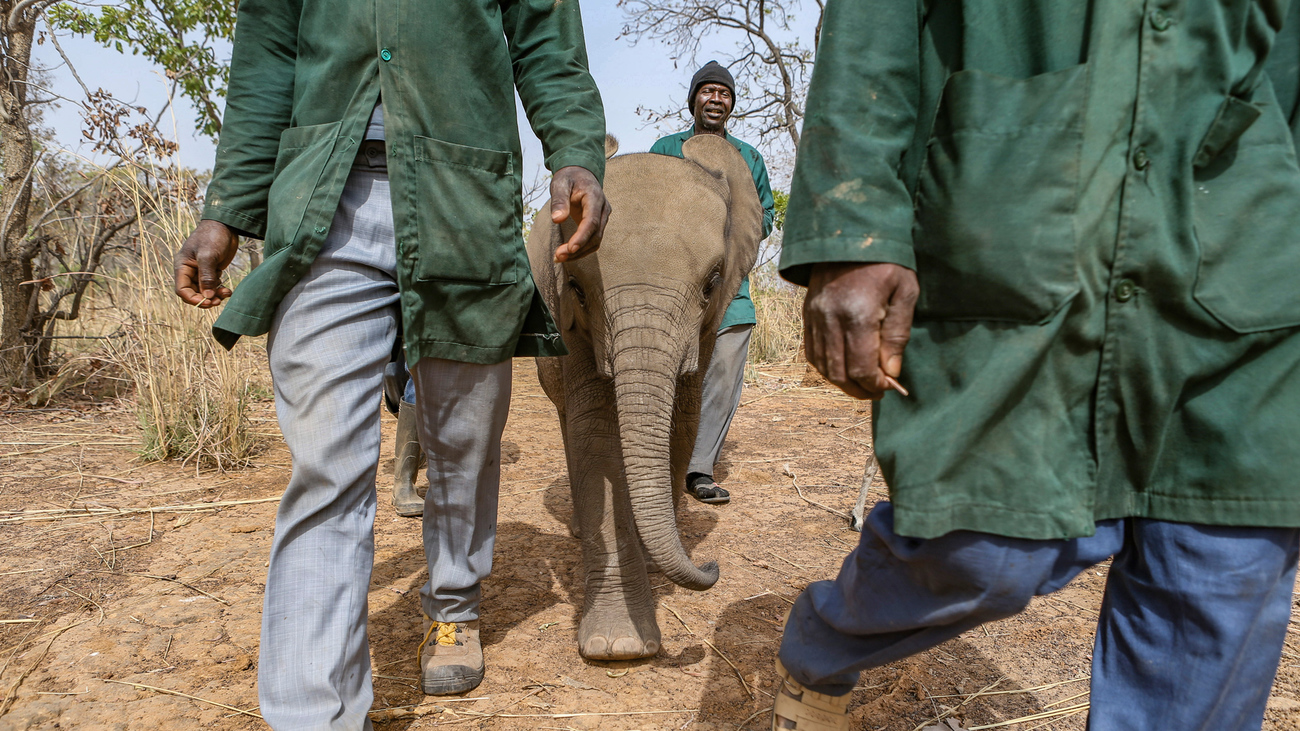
107,607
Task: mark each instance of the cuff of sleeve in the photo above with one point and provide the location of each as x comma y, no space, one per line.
243,224
798,258
572,158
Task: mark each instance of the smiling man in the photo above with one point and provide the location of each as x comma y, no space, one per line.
711,102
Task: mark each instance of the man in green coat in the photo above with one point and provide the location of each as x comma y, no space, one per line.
710,102
1082,220
373,146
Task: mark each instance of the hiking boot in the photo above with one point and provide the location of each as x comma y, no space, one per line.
410,458
451,657
800,709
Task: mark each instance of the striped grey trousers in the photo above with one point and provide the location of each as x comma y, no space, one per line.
331,337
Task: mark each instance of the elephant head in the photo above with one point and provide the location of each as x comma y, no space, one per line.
647,305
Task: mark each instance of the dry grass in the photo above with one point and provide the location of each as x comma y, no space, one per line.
779,306
193,397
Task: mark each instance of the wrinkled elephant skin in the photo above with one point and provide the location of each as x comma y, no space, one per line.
640,317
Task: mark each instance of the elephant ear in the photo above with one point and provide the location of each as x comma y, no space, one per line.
744,211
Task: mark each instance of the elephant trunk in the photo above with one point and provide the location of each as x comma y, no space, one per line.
646,365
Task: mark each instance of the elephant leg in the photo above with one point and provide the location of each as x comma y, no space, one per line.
618,613
550,373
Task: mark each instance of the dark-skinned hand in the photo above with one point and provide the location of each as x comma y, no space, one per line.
576,194
857,318
200,262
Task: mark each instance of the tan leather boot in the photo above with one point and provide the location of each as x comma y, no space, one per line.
451,657
801,709
410,458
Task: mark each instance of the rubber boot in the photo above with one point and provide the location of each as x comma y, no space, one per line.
410,458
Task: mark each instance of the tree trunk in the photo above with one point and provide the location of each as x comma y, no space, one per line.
17,153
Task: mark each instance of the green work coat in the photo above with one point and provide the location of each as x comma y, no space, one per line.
304,78
741,309
1101,201
1284,69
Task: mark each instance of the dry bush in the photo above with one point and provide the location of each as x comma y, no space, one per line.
779,307
193,397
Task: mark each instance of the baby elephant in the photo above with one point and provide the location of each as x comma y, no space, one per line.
640,317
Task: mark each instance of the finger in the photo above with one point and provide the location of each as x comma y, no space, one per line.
186,286
896,330
579,244
561,189
862,359
812,349
209,273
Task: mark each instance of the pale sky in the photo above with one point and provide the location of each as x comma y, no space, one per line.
628,76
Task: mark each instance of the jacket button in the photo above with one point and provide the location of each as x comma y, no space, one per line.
1160,20
1125,290
386,54
1141,159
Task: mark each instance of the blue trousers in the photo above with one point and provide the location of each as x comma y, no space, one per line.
1191,625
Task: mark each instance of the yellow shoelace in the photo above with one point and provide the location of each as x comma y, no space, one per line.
446,633
446,636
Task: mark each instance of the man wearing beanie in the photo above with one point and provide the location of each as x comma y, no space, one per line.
711,101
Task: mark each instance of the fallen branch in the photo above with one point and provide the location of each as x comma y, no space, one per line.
35,516
142,686
795,480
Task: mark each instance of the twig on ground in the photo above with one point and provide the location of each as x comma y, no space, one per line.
743,683
172,579
36,516
795,480
745,723
940,716
92,601
12,693
1070,711
142,686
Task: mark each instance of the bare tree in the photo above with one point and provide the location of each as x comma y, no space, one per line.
17,156
771,64
58,220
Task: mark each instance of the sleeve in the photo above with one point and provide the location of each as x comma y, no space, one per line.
559,96
259,104
764,187
848,202
660,147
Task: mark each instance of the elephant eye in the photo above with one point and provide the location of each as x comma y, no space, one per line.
577,292
710,284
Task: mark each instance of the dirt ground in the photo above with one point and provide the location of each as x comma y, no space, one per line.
116,616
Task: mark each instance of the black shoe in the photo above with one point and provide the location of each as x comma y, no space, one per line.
703,488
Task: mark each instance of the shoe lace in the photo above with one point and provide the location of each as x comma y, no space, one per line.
446,633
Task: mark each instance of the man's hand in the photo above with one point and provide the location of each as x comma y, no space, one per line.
200,261
857,319
576,193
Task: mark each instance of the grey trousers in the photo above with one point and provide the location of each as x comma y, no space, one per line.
329,343
720,396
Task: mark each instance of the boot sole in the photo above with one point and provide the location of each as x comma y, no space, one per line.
451,686
410,513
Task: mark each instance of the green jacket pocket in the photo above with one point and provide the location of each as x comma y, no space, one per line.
1250,283
302,157
995,202
466,213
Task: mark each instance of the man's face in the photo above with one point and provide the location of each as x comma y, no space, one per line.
713,103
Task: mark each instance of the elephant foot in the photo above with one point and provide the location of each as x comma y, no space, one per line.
615,636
